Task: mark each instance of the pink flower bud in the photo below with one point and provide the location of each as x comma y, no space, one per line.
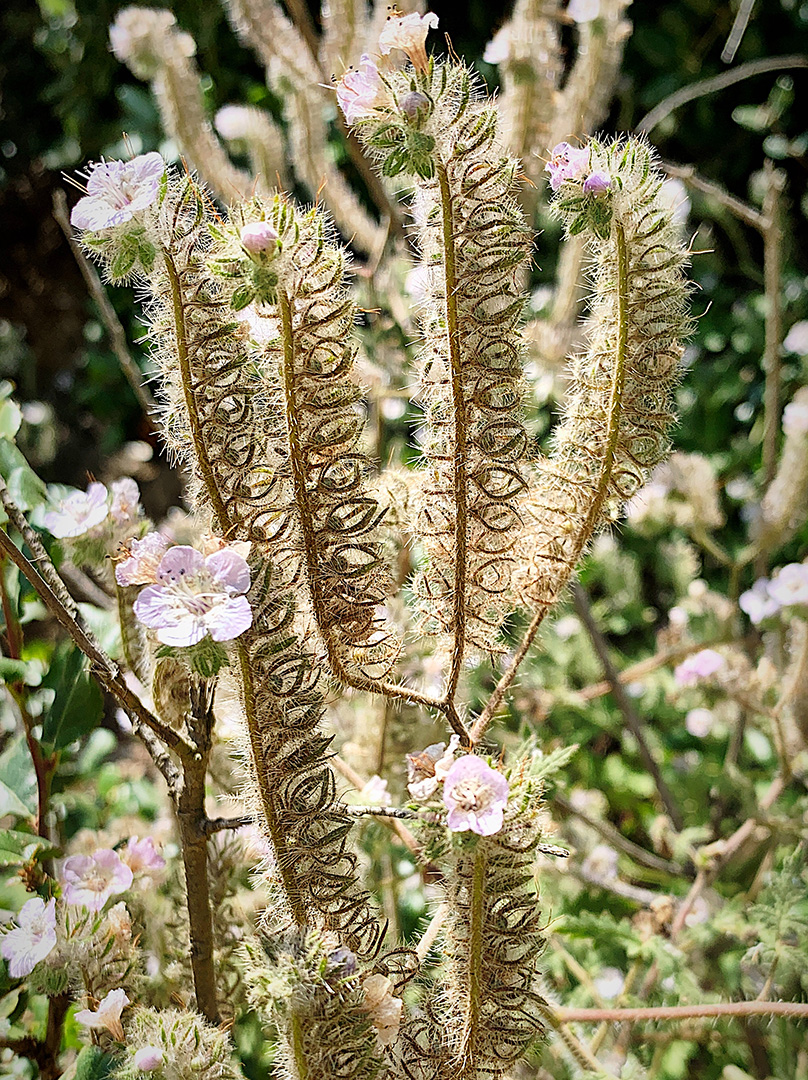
258,237
597,183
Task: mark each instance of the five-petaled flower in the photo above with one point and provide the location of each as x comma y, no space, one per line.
566,163
144,558
475,796
142,855
33,938
408,33
701,665
78,513
360,90
117,190
89,880
107,1015
196,596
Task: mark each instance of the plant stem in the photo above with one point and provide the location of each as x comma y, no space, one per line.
473,985
459,461
790,1009
772,276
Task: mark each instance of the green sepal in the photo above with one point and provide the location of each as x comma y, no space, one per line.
207,657
93,1063
242,297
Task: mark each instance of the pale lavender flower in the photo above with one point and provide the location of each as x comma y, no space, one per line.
196,596
89,880
144,558
566,163
408,33
795,418
117,190
498,48
700,665
107,1016
142,855
78,513
360,91
790,585
758,603
475,796
601,862
699,723
33,938
149,1058
597,183
258,238
125,509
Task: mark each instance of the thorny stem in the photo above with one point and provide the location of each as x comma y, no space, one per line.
772,276
299,478
612,434
624,703
460,437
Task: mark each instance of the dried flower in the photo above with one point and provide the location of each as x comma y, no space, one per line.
32,940
125,509
701,665
475,796
258,238
408,33
149,1058
196,596
384,1009
144,558
142,855
758,603
89,880
78,513
429,768
360,91
566,163
119,922
107,1015
117,190
790,585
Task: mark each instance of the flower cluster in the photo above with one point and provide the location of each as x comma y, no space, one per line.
700,665
97,513
570,165
787,589
474,794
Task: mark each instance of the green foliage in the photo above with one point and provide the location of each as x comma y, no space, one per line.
77,704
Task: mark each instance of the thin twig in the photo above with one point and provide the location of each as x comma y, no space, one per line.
717,82
112,324
401,831
791,1009
85,587
624,703
741,210
772,276
742,16
219,824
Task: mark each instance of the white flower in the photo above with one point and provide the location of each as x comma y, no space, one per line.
233,122
32,940
89,880
429,768
108,1014
384,1009
375,793
408,33
149,1058
498,48
601,862
699,722
796,340
790,585
674,194
117,190
78,513
125,509
609,983
795,418
758,603
119,922
583,10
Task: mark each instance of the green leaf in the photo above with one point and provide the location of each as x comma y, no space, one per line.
77,706
17,847
25,487
10,419
24,671
242,297
10,803
123,262
93,1063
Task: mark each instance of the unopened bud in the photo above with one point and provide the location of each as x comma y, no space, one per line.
258,237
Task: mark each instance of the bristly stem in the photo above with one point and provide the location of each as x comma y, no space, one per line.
601,491
460,438
197,434
298,1047
476,944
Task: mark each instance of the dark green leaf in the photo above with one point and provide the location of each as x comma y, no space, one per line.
77,706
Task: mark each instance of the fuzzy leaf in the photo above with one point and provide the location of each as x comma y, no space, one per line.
78,704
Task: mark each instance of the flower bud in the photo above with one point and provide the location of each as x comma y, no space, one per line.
258,237
413,103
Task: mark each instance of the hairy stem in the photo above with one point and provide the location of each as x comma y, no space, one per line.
596,506
460,438
476,944
790,1009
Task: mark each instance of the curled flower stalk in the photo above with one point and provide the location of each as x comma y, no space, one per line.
473,242
620,405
